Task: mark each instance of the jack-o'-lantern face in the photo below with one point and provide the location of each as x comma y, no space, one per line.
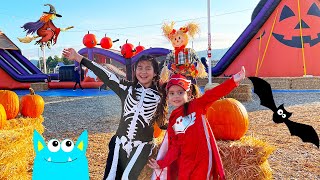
179,39
287,30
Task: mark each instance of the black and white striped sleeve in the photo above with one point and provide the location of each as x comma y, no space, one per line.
110,79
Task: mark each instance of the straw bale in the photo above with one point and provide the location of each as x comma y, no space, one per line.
39,86
242,159
242,97
246,158
241,93
16,147
305,83
279,83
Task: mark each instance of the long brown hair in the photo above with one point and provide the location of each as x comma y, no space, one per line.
162,109
193,93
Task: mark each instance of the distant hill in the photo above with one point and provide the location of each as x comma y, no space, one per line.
216,53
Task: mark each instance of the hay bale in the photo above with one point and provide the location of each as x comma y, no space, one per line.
16,147
241,93
39,86
242,159
246,158
305,83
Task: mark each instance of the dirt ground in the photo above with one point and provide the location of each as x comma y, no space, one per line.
292,159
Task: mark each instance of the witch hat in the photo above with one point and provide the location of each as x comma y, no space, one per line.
52,10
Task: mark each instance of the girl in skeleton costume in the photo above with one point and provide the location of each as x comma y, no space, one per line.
132,144
189,150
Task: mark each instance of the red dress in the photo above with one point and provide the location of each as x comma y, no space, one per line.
192,151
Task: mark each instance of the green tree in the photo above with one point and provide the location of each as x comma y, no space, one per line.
51,62
66,61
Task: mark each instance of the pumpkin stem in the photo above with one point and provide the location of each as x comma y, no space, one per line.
31,91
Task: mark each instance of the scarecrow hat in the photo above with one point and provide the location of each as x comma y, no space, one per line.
52,10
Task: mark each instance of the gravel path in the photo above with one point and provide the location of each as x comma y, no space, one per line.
101,113
68,116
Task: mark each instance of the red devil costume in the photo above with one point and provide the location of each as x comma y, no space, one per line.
189,150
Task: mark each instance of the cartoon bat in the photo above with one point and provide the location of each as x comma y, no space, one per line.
263,89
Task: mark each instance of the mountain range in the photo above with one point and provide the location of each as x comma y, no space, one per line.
216,54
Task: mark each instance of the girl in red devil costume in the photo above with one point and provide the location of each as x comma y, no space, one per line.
189,150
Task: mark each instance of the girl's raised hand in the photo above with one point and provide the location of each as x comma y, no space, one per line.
153,164
71,54
240,75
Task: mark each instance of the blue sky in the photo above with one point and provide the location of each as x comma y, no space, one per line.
138,21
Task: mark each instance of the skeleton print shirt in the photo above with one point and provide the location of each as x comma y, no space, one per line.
136,114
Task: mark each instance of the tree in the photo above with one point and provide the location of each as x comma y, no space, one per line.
66,61
51,62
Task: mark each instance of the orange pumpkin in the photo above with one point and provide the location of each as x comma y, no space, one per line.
156,130
10,102
32,105
228,119
3,116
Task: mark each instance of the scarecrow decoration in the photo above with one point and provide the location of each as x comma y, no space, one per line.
44,28
182,60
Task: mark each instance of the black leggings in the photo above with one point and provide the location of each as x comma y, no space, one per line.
112,144
123,161
75,85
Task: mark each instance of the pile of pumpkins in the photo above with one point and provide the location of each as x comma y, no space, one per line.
30,105
127,49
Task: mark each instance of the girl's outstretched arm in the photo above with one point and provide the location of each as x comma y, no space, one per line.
223,89
106,76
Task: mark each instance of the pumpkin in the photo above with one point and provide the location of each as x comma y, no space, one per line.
10,102
89,40
3,116
127,50
139,48
228,119
32,105
278,52
156,130
288,32
106,43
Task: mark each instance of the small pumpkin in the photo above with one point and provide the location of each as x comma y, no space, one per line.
32,105
156,130
89,40
3,116
228,119
139,48
127,50
10,102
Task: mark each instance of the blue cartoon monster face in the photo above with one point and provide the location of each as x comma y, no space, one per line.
60,160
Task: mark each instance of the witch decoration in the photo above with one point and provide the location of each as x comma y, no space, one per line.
182,60
44,28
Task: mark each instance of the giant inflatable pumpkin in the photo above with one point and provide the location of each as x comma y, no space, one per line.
286,45
10,102
228,119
